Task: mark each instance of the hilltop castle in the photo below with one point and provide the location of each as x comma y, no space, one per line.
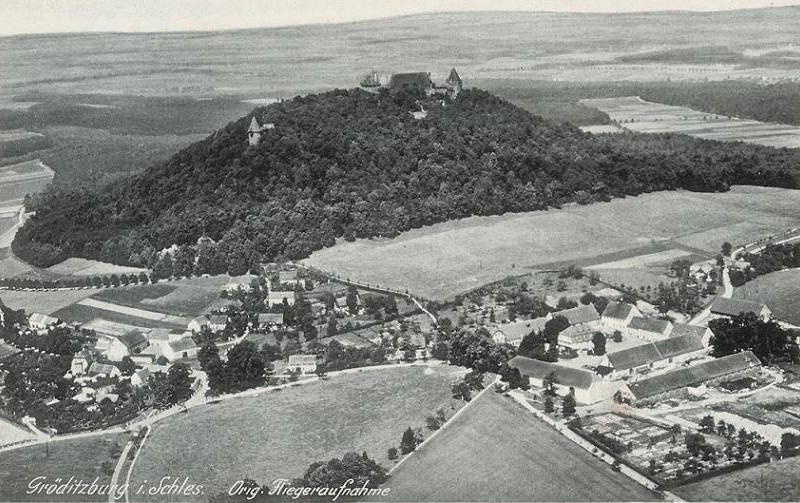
255,132
420,81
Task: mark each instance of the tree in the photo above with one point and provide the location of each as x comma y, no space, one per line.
617,336
172,388
246,366
707,424
726,249
746,332
460,390
568,403
358,470
599,343
208,355
352,300
565,303
549,406
127,366
392,453
433,423
408,443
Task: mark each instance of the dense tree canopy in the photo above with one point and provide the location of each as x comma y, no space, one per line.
350,164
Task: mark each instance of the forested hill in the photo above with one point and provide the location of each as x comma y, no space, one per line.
354,164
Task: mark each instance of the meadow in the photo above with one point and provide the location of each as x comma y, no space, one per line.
9,432
778,290
635,114
278,434
442,260
497,451
82,459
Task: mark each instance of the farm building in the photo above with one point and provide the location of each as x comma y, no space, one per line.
180,349
348,340
81,362
305,364
104,369
276,298
140,378
217,322
38,321
290,278
583,322
588,389
734,307
270,320
197,324
7,350
649,329
127,344
675,382
640,358
512,333
617,315
681,329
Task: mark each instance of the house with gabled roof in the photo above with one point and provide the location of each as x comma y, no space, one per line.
275,298
586,385
644,357
617,315
513,332
197,324
104,369
681,329
583,322
39,321
127,344
181,349
305,364
140,378
217,322
81,361
735,307
676,382
649,329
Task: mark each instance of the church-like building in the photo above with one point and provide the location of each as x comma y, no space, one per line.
418,81
255,132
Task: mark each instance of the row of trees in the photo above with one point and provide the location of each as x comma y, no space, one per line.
747,332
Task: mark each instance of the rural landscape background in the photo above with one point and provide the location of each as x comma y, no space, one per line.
80,112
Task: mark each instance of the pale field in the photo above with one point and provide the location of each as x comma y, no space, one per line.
17,134
43,302
11,433
442,260
84,267
643,260
641,116
133,312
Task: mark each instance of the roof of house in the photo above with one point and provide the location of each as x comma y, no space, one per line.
270,318
420,80
350,339
218,319
7,350
516,330
735,307
143,374
200,320
650,324
183,344
617,310
42,319
102,368
159,334
681,329
646,354
82,355
580,314
694,375
301,359
284,276
565,376
132,339
281,295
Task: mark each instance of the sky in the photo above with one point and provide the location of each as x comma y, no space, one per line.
55,16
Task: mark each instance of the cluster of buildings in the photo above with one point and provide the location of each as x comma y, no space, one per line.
414,81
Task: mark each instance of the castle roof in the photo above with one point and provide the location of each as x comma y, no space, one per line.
453,76
254,127
415,80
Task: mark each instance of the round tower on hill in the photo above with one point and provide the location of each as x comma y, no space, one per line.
256,132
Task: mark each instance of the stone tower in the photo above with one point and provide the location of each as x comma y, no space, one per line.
255,132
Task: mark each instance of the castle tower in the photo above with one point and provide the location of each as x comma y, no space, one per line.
454,83
255,132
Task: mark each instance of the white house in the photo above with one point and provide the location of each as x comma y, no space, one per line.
649,329
38,321
180,349
657,354
140,378
80,363
306,364
277,297
127,344
197,324
217,323
587,387
583,322
512,333
270,320
734,307
104,369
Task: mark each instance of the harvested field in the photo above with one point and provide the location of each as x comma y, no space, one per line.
131,311
497,451
442,260
777,481
644,260
43,302
779,290
84,267
83,314
278,434
635,114
82,459
187,297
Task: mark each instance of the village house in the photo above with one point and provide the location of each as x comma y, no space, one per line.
270,321
197,324
734,307
649,329
140,378
106,392
588,389
645,357
104,370
38,321
618,315
127,344
275,298
676,382
217,322
305,364
80,363
681,329
583,322
183,348
512,333
290,278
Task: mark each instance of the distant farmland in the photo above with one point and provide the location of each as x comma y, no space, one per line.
496,451
778,290
442,260
635,114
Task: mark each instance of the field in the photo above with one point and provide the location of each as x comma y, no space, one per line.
496,451
775,481
278,434
80,313
42,302
635,114
11,433
81,459
779,290
84,267
442,260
